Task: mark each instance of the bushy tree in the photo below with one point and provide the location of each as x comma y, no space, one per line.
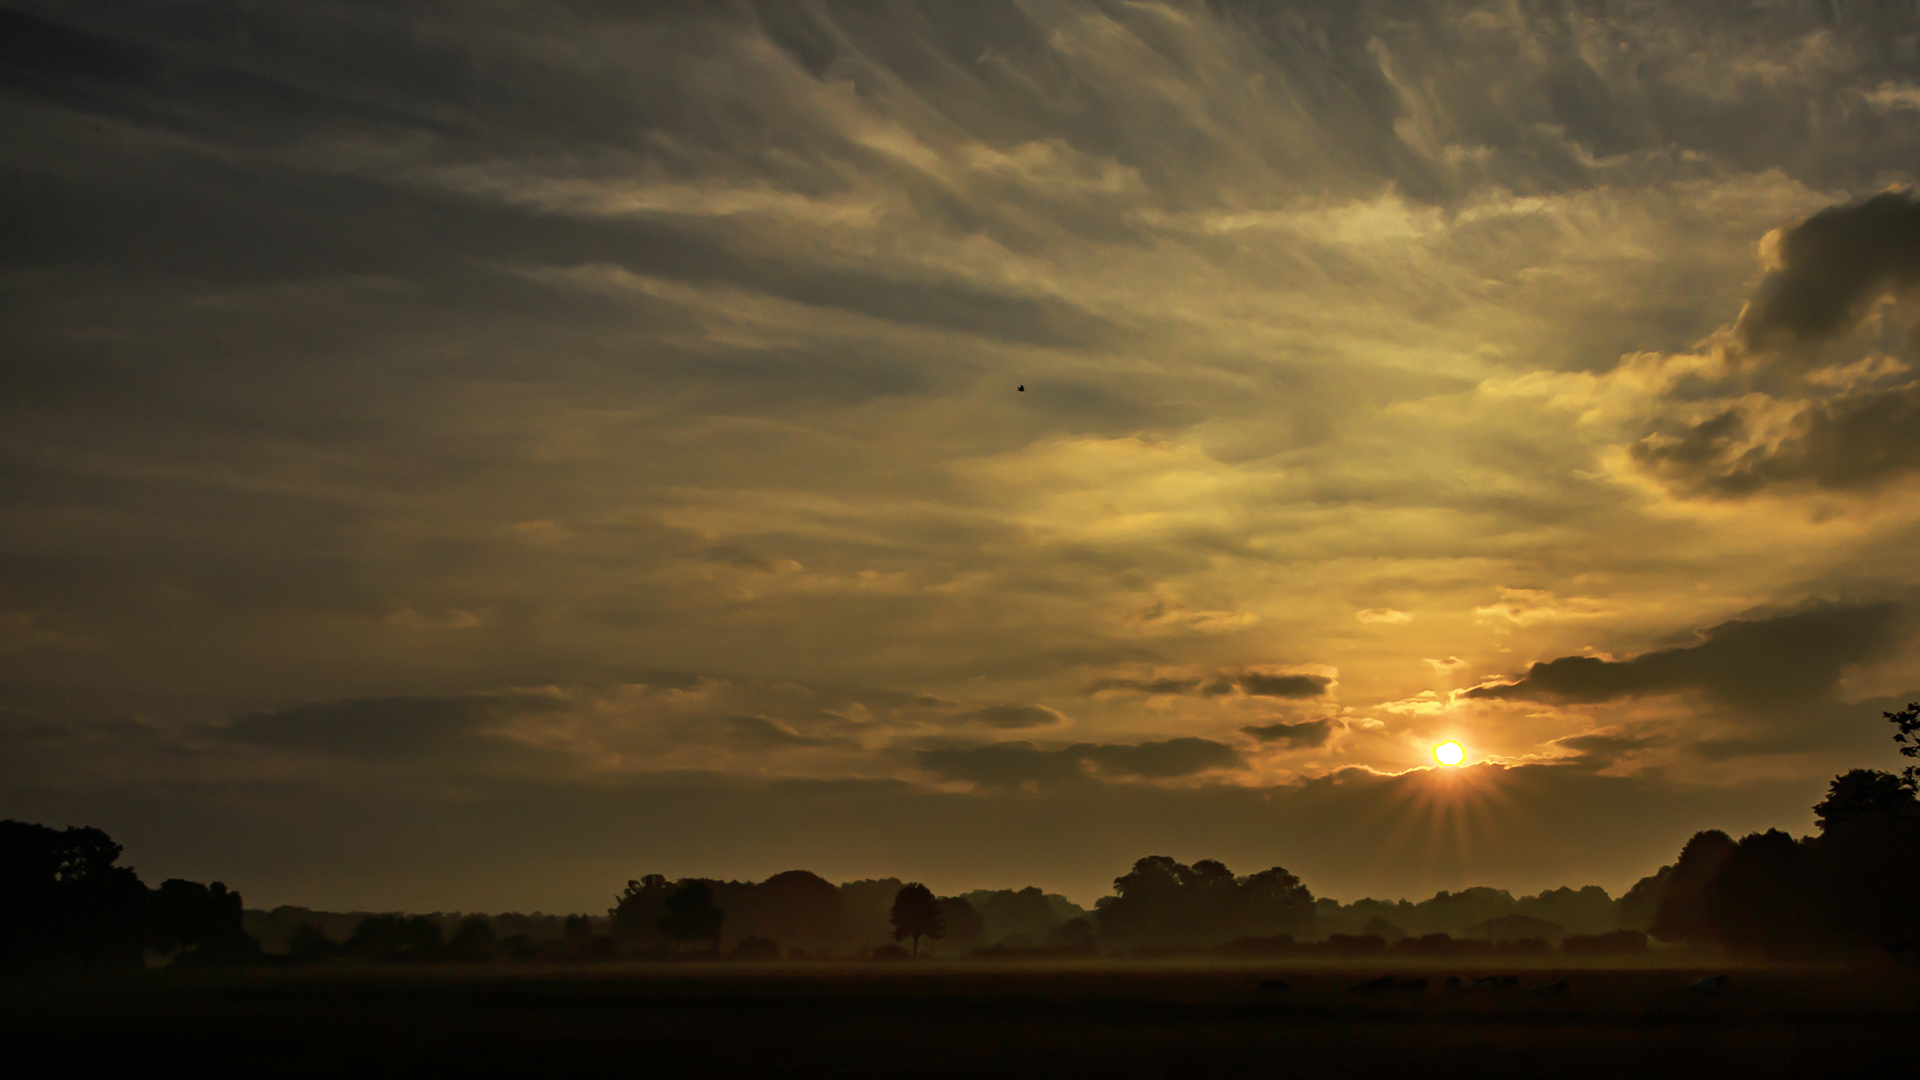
916,914
473,939
1165,902
394,937
206,920
1860,793
308,944
964,925
692,916
64,901
1682,914
639,912
1636,909
1766,897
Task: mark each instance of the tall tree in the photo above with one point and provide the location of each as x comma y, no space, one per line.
1859,793
1908,721
916,914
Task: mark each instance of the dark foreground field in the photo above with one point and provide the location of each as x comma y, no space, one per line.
957,1021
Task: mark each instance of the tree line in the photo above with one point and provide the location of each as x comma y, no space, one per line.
65,901
1853,887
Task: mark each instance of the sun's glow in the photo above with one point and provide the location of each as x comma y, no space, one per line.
1449,753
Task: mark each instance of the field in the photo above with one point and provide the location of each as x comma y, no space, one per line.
931,1020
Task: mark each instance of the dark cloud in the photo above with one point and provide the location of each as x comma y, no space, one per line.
1848,442
1162,760
1727,749
1762,662
760,731
1251,683
1601,749
393,727
1148,686
1012,764
1832,265
1012,717
1284,686
1305,735
1003,764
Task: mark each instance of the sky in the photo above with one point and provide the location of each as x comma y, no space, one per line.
461,456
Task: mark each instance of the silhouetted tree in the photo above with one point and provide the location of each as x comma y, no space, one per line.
1682,915
1636,909
639,912
1861,792
916,914
866,904
62,899
1074,935
394,937
757,949
472,940
1766,896
204,920
794,907
1908,721
308,944
692,916
1870,871
1006,913
964,925
1164,902
421,937
1587,910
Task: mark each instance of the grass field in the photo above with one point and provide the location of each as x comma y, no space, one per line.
929,1020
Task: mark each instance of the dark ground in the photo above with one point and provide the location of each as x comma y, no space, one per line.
805,1020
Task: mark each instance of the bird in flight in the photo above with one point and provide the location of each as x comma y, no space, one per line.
1023,388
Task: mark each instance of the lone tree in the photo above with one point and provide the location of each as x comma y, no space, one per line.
691,916
916,914
1908,721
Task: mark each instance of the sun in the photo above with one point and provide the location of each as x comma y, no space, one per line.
1449,753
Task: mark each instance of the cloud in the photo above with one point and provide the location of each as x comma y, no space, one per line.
1260,684
1306,735
1849,442
1769,662
1152,687
1783,414
1162,760
1002,764
1524,607
760,731
462,352
1831,266
1252,682
1603,748
1013,764
1012,716
384,728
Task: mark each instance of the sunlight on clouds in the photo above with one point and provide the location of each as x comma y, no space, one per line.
804,392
